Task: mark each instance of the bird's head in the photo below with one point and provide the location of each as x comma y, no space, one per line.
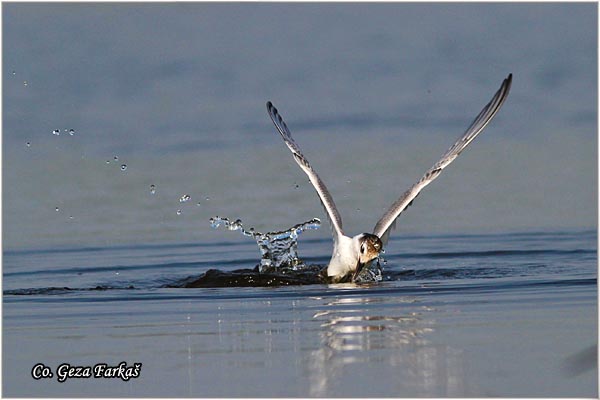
369,248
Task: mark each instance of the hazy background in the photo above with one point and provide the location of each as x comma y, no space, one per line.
374,94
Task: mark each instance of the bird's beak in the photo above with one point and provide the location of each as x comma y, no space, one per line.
359,268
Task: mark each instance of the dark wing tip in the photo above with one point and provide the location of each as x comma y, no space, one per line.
504,90
273,112
508,80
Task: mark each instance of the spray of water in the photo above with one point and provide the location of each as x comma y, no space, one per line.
279,250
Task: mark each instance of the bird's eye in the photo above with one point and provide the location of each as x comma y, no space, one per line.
362,248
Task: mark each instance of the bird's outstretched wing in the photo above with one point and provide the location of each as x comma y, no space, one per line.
324,195
388,221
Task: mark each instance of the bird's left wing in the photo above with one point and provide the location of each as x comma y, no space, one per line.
388,221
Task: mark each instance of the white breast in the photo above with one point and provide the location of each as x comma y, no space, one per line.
344,257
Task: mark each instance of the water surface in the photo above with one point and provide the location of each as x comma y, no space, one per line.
460,315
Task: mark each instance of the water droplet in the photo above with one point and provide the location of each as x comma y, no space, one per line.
108,161
123,167
348,181
178,212
28,144
70,217
198,204
152,189
116,158
71,132
25,83
358,209
207,198
297,186
184,198
57,209
14,72
56,132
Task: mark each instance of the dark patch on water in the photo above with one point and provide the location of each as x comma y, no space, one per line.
581,362
309,275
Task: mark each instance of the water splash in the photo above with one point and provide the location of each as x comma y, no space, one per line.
123,167
279,255
279,250
184,198
371,273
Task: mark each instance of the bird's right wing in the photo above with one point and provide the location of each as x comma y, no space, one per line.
324,196
388,221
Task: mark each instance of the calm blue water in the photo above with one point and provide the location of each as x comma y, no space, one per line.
374,94
458,315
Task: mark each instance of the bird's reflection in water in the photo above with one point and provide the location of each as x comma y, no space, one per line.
363,335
